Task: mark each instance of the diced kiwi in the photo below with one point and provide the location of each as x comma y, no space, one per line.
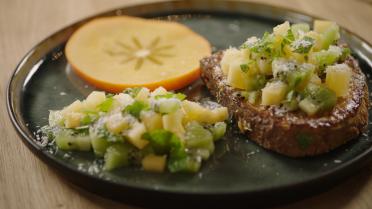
166,106
318,98
326,97
203,153
198,137
256,82
309,106
99,146
187,164
173,122
298,79
116,156
160,140
291,102
152,120
66,141
324,58
218,130
330,36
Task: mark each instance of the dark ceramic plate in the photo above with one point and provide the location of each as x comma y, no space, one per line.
240,171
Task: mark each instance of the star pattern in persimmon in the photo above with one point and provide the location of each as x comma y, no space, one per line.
136,51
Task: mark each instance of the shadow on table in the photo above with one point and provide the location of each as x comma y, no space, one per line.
344,195
340,196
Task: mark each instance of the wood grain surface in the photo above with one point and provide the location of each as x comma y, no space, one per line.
26,182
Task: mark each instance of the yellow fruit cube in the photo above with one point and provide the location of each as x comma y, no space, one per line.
159,91
218,115
264,66
229,56
123,99
154,163
195,112
317,38
321,26
152,120
338,79
94,99
315,79
72,119
173,122
236,77
143,95
135,135
282,29
273,93
76,106
117,123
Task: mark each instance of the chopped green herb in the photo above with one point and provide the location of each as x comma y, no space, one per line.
106,105
258,83
244,68
289,38
304,140
264,45
345,52
135,108
89,117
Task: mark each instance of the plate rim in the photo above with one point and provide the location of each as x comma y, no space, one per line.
346,168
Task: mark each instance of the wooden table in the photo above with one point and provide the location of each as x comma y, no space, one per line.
26,182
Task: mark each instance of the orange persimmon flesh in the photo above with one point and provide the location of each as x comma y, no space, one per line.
114,53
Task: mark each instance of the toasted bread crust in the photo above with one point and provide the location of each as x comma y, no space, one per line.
278,130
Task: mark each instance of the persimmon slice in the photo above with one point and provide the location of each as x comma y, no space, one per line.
114,53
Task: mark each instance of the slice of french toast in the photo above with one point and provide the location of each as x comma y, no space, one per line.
292,133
